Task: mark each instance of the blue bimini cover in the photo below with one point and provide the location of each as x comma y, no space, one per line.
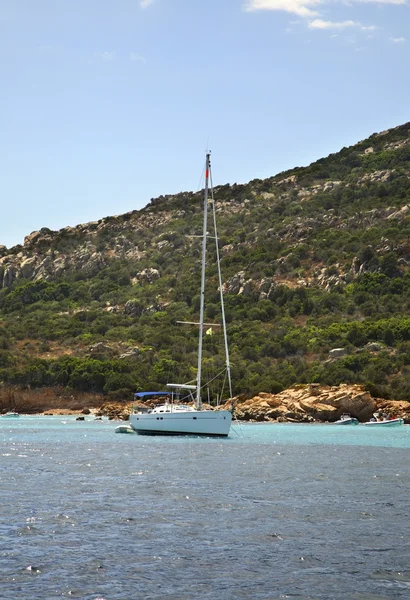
147,395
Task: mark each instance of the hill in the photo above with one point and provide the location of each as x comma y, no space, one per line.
316,264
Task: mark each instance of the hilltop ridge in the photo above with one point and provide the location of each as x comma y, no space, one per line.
369,165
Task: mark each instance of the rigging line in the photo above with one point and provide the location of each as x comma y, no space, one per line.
190,382
202,296
193,214
218,262
198,189
223,386
241,434
213,378
199,186
237,423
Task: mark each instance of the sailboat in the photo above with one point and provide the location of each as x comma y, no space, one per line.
175,418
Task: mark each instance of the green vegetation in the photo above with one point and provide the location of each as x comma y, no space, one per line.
322,262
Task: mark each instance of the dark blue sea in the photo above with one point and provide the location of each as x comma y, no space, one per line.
273,512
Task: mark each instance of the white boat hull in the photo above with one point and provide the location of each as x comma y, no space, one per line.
194,422
124,429
10,415
390,423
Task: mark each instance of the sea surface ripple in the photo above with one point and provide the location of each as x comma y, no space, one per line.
273,512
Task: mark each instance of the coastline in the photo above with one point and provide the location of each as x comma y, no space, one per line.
310,403
48,400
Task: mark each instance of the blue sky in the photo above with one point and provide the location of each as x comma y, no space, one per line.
105,104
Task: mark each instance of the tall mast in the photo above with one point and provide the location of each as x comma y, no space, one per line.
221,294
201,315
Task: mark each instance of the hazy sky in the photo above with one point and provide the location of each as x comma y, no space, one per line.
105,104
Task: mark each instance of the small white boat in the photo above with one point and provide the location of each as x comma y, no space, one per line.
124,429
10,415
347,419
386,423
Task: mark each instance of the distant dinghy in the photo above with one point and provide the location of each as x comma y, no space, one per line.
386,423
124,429
347,419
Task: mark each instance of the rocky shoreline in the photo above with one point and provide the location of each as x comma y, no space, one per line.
48,400
311,403
317,403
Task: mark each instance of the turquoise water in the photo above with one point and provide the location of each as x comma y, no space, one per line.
274,511
338,435
64,427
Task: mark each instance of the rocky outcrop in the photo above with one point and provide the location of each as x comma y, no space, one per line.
338,352
115,411
239,284
101,350
133,308
87,248
131,353
306,403
376,176
401,213
396,408
148,275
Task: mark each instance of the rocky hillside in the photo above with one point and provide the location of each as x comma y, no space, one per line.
316,264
